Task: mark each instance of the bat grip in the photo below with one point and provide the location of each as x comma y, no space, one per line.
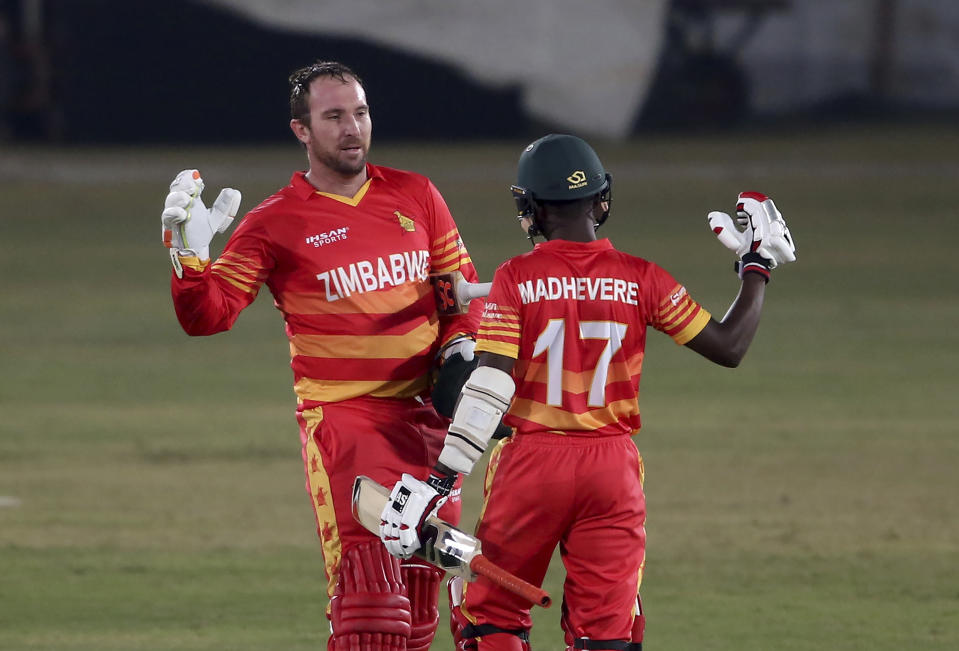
482,565
466,292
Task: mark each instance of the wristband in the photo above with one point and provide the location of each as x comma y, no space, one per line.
752,262
442,484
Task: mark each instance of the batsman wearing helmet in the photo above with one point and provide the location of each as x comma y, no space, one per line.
561,345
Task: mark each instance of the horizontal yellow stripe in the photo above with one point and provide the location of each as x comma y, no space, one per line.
490,332
679,315
443,260
244,278
451,245
694,328
193,262
668,312
370,347
241,286
557,418
240,261
458,262
336,390
235,258
498,347
386,301
449,235
574,382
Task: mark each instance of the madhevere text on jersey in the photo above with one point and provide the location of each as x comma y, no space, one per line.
579,289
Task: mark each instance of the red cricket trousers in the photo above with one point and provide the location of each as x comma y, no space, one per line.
377,437
584,493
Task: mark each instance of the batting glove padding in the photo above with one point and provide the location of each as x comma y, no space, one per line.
737,241
188,225
764,241
401,523
771,237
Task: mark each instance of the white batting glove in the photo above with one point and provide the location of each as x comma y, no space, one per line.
775,240
188,226
764,241
737,241
411,502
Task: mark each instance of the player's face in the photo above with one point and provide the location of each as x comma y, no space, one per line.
339,133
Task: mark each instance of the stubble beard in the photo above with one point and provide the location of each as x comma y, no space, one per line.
335,163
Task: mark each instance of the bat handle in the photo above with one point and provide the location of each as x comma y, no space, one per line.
482,565
466,292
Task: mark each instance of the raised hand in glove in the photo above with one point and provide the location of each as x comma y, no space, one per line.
764,241
411,502
775,240
188,225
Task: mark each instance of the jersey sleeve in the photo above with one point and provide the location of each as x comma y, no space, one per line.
499,328
209,297
672,309
448,253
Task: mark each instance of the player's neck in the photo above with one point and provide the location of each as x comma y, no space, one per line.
573,234
330,182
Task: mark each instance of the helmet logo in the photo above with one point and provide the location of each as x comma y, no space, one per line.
576,180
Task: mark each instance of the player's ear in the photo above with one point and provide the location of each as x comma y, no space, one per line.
538,220
597,209
300,130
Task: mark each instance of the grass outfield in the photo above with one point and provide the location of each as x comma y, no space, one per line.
151,492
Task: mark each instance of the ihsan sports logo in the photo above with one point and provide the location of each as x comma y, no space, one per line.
335,235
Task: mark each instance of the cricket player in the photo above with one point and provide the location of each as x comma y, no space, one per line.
346,250
560,349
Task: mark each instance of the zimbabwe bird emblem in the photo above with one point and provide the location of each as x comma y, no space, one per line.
405,222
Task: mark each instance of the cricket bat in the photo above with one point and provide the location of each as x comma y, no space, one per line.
454,293
446,547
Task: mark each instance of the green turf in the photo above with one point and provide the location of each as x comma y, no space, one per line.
151,494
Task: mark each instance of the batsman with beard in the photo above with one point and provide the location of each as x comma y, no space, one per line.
346,250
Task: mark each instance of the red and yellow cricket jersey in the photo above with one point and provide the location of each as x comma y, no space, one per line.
574,316
349,274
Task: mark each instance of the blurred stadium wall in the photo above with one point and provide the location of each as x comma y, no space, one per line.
215,70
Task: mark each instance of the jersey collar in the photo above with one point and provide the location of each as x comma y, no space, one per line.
304,189
567,245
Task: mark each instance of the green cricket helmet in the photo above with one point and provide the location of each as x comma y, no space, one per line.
557,168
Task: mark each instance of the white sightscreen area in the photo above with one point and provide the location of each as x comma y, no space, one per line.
583,65
588,66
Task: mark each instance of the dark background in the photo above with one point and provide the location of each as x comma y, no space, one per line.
102,71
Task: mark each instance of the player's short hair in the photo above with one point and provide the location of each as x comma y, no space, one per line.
301,79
